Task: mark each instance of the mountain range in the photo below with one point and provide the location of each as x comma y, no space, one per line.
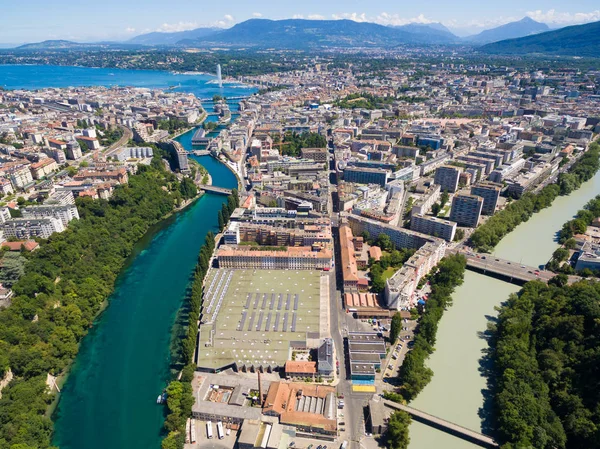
299,33
525,36
523,27
577,40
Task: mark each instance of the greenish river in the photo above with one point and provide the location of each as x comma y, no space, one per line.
458,389
109,399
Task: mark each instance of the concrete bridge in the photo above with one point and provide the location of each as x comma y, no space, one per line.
243,97
507,270
445,426
199,152
213,189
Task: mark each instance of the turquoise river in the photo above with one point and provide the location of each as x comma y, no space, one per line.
109,399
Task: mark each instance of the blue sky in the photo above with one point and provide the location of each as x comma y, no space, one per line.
86,20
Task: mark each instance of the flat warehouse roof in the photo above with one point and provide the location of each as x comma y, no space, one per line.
254,317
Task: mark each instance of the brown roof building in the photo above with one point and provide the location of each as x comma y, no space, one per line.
310,408
349,267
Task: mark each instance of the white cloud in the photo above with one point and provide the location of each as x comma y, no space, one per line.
356,17
564,18
179,26
297,16
316,17
130,30
383,18
228,17
256,14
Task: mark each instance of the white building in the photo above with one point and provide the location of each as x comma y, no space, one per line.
63,213
26,228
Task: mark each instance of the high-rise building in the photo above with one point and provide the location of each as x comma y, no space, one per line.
490,192
447,178
466,210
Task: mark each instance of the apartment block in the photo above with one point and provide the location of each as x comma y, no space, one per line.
447,178
401,238
26,228
466,210
401,287
433,226
63,213
490,192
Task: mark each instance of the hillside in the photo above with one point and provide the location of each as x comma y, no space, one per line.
302,34
523,27
158,38
577,40
434,32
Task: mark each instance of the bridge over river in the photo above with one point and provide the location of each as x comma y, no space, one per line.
445,426
509,270
214,189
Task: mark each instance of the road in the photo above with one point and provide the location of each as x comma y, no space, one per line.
126,137
354,403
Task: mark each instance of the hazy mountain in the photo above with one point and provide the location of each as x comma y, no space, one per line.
69,45
299,33
577,40
158,38
436,32
523,27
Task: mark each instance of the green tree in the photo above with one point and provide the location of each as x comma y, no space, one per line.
395,327
397,433
187,188
221,220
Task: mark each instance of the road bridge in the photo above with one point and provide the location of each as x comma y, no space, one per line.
213,189
445,426
243,97
507,270
199,152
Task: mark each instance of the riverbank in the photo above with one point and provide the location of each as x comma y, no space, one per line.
459,389
127,354
488,235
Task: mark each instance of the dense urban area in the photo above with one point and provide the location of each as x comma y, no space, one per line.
365,190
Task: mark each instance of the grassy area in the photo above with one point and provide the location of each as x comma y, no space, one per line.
388,273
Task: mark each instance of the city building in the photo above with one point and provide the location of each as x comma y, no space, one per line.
433,226
73,151
400,237
64,213
348,259
43,168
26,228
490,192
366,175
423,205
316,154
309,408
400,289
292,258
466,210
326,362
366,351
447,177
20,177
589,257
